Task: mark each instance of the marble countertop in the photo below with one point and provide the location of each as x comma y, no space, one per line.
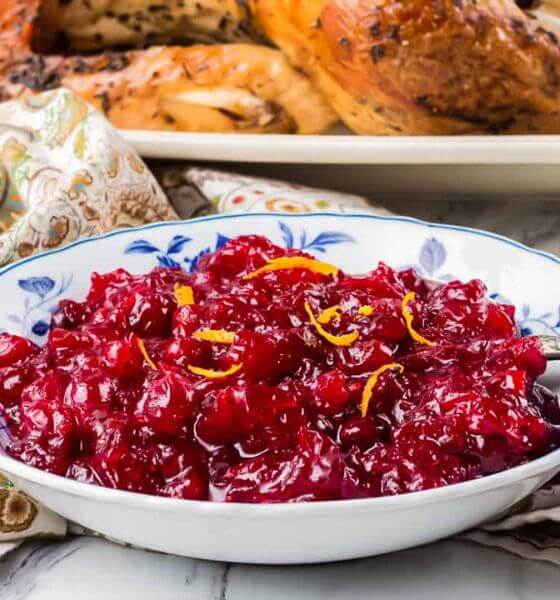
84,568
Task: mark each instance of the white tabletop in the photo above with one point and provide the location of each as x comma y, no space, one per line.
85,568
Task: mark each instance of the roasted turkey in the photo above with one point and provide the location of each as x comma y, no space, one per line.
423,66
387,67
213,88
88,25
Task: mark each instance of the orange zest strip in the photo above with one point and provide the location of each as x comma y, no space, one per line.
211,374
366,311
184,295
329,314
372,382
144,352
338,340
295,262
408,318
218,336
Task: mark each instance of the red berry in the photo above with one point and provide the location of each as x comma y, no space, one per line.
166,404
331,393
148,314
14,349
287,426
122,359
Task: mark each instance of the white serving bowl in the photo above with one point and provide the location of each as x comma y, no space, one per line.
287,533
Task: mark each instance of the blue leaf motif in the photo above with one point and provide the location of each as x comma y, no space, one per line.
37,285
432,256
525,331
221,240
140,247
167,262
40,328
287,235
497,297
177,243
193,262
526,311
329,238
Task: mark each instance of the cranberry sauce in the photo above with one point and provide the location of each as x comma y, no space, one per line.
267,376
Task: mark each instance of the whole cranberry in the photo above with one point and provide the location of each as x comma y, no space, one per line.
312,470
184,351
363,357
225,417
12,382
108,459
86,394
363,432
331,393
413,282
381,283
268,355
148,314
166,404
104,285
48,427
180,465
122,359
38,401
62,342
38,453
244,254
499,322
14,349
108,434
70,314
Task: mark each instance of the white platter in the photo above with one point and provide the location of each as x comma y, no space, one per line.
459,165
288,533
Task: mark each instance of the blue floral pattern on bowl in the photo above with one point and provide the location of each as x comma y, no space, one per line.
317,243
43,293
168,257
431,262
41,300
165,257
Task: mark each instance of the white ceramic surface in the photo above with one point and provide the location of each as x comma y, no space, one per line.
513,165
292,533
349,149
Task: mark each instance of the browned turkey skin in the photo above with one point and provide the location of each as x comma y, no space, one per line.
423,66
387,67
71,26
212,88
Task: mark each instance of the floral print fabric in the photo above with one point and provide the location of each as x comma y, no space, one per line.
64,174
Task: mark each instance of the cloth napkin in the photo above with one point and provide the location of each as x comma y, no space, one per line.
65,173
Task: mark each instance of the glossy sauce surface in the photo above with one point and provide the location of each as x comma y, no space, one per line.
290,384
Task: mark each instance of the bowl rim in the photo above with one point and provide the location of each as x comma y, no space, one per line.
277,215
410,500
